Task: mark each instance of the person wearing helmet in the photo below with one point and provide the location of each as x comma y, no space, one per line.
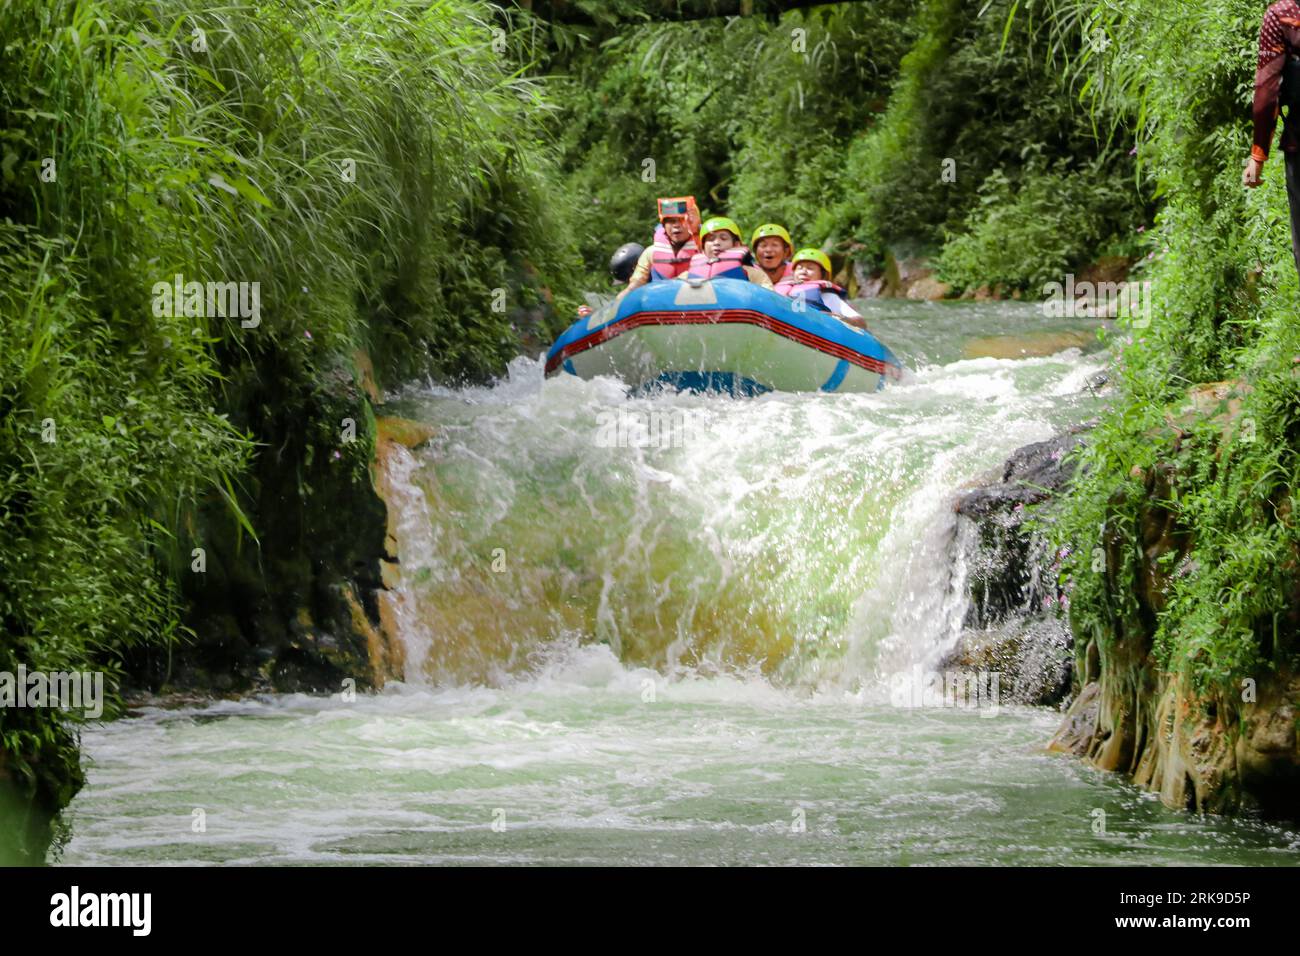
773,248
724,255
810,282
675,243
624,260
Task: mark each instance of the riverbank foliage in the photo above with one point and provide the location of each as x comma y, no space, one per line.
385,195
867,129
1223,309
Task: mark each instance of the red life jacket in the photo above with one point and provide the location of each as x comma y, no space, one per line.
666,264
729,265
810,292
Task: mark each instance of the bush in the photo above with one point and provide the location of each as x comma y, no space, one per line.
1225,288
376,167
1032,230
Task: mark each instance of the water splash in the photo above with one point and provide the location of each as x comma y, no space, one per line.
808,538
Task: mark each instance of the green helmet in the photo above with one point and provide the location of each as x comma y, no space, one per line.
772,229
814,255
718,223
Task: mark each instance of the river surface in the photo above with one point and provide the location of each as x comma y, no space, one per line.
670,630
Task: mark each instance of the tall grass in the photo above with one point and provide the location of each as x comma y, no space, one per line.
378,168
1180,77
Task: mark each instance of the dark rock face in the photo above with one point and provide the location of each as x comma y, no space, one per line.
1032,656
1008,577
1032,474
281,613
1220,749
1015,623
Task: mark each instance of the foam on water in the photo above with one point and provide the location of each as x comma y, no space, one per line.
809,537
587,760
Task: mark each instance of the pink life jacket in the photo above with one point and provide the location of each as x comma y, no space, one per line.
810,292
729,265
666,264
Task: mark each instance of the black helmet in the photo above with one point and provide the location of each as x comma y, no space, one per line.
623,261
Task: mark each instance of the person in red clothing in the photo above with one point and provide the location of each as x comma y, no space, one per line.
1279,42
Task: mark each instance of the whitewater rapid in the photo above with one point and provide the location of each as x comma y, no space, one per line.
660,630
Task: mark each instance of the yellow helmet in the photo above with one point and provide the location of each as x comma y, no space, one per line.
771,229
813,255
718,223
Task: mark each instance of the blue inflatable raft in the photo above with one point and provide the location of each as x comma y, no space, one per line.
722,335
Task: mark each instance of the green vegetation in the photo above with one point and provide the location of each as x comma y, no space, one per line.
1065,216
142,140
1224,309
837,121
747,115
